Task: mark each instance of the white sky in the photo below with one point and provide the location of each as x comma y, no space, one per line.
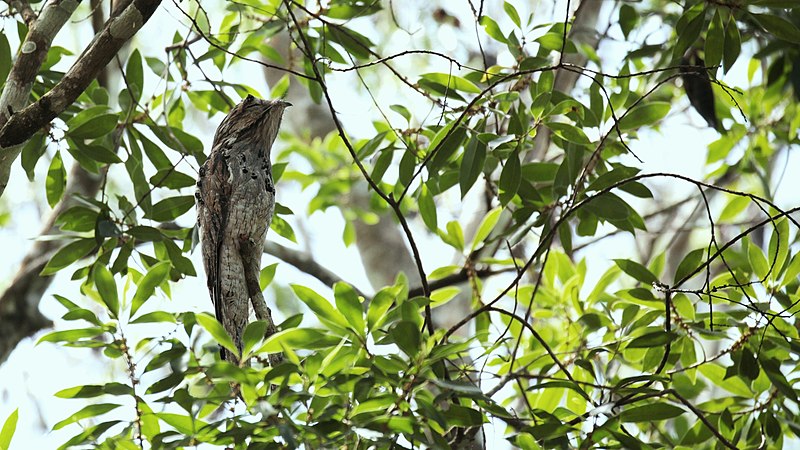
33,374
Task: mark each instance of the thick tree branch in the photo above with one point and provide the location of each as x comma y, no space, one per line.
30,57
24,9
23,124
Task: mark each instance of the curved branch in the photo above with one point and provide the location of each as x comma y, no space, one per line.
305,263
116,32
31,55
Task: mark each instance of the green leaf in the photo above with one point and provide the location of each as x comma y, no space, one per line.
792,271
688,29
636,270
107,288
282,227
608,207
758,262
134,76
155,316
402,110
134,165
732,45
569,132
510,178
407,336
95,127
772,367
492,29
89,411
5,62
56,180
31,152
280,88
10,425
349,305
218,332
734,207
715,41
689,263
253,334
512,13
96,390
185,425
778,249
71,335
267,275
171,178
452,82
320,306
380,304
655,339
427,208
454,236
650,413
148,284
298,338
68,255
628,18
471,164
778,27
647,114
485,228
171,208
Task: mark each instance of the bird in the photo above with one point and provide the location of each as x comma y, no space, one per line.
698,87
235,199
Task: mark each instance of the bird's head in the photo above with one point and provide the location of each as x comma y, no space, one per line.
253,118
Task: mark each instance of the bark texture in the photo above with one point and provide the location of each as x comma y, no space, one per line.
105,45
235,202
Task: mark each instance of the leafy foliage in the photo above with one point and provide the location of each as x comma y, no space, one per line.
701,352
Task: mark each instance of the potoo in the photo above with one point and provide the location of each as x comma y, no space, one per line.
235,202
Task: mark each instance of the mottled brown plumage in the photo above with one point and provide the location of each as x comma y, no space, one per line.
235,202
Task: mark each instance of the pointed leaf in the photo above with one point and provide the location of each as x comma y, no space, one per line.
56,180
349,305
218,332
148,284
7,432
636,270
68,255
324,311
485,228
652,412
89,411
107,287
647,114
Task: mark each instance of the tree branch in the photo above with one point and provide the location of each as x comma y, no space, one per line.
305,263
19,304
24,9
30,57
116,32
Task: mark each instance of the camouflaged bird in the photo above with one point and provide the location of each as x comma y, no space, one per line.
235,202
